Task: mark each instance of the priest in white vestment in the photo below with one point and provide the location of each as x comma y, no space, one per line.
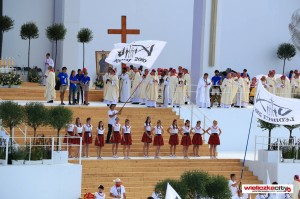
227,86
152,89
166,88
241,97
50,93
296,186
187,78
172,84
105,78
136,80
283,87
203,94
235,87
126,86
112,93
295,84
179,91
143,87
271,82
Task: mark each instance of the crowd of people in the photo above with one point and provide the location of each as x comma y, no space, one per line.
118,134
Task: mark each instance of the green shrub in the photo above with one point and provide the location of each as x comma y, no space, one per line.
217,188
161,187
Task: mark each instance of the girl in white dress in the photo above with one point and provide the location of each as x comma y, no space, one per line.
197,138
78,133
116,138
126,139
214,138
99,141
173,140
87,136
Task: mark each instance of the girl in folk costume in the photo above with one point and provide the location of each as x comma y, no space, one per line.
157,131
179,93
126,139
99,141
173,140
116,138
197,138
152,89
147,136
69,140
100,193
214,139
87,136
186,138
78,128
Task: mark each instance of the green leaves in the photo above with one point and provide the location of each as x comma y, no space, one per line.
29,31
6,23
266,125
11,114
56,32
286,51
217,188
59,116
84,35
36,114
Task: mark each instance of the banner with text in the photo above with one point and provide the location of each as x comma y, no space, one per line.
275,109
142,53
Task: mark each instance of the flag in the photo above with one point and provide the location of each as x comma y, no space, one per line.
171,193
268,178
155,196
275,109
142,53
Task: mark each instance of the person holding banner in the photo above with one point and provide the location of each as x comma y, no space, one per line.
136,80
186,138
157,132
227,87
283,87
214,139
152,90
125,86
112,92
143,87
173,140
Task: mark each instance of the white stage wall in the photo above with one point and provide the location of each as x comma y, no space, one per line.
41,181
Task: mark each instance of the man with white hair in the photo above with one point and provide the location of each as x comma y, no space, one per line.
118,190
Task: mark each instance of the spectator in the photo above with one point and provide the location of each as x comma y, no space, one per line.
245,73
72,88
118,190
86,87
63,77
100,194
79,89
216,91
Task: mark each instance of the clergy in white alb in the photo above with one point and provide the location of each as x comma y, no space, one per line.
283,87
125,86
203,92
143,87
179,92
295,84
226,87
50,93
112,94
187,78
166,88
152,89
235,87
135,83
172,84
271,82
48,62
241,97
105,78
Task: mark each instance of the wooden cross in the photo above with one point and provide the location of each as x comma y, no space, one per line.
124,31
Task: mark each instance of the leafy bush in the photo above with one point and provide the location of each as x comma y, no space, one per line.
288,152
286,51
33,75
161,187
99,81
19,153
217,188
10,79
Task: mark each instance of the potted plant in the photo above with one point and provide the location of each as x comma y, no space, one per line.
286,51
99,83
84,35
6,23
55,33
18,155
288,153
29,31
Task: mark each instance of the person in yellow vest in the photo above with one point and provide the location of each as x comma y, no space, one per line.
152,89
283,87
226,87
179,91
112,93
295,84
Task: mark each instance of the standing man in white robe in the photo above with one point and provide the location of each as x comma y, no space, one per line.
227,86
295,84
166,80
172,84
112,93
271,82
187,78
143,87
48,62
126,86
296,186
241,96
136,80
152,89
50,93
203,88
179,92
283,87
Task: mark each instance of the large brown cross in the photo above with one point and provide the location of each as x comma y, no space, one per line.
124,31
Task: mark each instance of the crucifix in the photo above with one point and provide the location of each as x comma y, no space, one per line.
124,31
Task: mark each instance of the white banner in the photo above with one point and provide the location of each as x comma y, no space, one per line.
274,109
171,193
142,53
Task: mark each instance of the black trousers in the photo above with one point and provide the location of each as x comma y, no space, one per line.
109,133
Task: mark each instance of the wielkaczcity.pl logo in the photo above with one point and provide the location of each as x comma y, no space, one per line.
261,188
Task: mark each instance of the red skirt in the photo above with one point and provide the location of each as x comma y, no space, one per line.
77,139
87,139
158,140
69,140
197,139
173,140
186,140
99,141
126,139
146,137
116,137
214,139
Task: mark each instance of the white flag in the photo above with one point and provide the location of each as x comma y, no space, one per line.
274,109
155,196
142,53
268,178
171,193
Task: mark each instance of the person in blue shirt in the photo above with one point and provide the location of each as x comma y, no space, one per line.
63,78
215,89
245,73
79,89
72,88
86,87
